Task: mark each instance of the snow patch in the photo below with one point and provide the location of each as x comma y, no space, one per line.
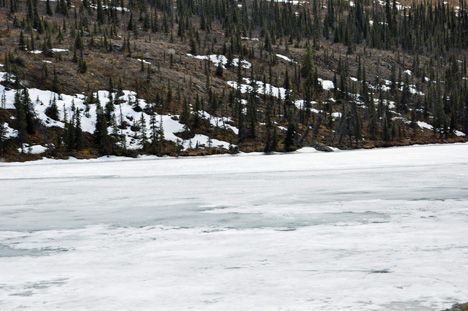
144,61
9,132
326,84
33,149
216,59
249,39
286,58
269,89
424,125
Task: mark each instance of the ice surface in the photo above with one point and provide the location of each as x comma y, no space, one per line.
382,229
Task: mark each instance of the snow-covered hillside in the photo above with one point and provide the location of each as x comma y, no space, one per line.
170,123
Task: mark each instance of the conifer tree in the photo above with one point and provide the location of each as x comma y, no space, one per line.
3,137
274,139
29,112
161,136
21,125
289,140
219,70
105,142
69,133
48,8
307,63
142,135
185,115
100,12
22,41
56,83
79,138
3,100
101,133
357,125
269,134
154,132
52,110
196,112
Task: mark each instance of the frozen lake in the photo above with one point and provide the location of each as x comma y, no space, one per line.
383,229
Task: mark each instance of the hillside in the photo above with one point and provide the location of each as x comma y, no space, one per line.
91,78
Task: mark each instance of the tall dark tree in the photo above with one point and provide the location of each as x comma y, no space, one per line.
290,139
21,125
52,110
79,138
101,134
29,112
3,136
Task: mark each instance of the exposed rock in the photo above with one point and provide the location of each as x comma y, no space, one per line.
320,147
458,307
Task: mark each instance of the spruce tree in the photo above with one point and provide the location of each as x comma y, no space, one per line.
30,113
100,132
154,132
219,70
56,83
22,41
79,138
161,137
143,139
307,63
52,110
69,134
21,125
48,8
3,100
289,140
196,112
3,136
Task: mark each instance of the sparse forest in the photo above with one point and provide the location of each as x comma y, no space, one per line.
196,77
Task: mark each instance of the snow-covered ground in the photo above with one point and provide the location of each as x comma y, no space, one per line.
249,39
278,92
286,58
41,99
293,2
33,149
10,132
216,59
382,229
